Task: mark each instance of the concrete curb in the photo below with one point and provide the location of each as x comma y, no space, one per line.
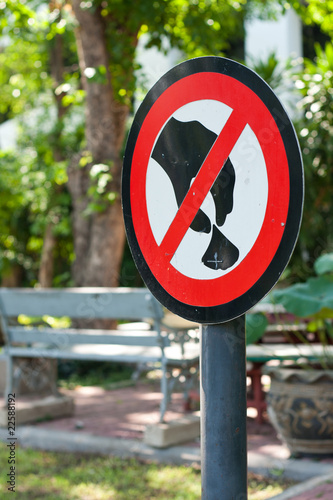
44,439
295,469
50,406
303,487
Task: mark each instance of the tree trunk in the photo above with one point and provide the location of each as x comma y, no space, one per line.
99,237
45,275
14,277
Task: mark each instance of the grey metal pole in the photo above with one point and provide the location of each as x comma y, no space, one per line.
223,411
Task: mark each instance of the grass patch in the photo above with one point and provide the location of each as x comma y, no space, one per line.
69,476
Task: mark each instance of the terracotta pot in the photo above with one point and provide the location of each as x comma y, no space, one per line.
300,407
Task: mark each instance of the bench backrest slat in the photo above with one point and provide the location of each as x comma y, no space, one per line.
85,303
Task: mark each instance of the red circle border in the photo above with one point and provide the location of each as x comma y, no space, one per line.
233,93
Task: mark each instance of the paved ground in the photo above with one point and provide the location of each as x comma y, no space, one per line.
324,491
114,422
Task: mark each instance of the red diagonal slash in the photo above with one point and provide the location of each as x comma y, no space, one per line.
210,169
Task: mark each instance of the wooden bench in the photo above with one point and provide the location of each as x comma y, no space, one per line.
154,338
145,341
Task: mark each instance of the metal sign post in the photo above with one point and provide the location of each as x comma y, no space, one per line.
223,411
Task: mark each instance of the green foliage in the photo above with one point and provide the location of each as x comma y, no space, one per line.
22,75
196,27
272,71
129,274
93,373
39,69
314,126
324,264
255,327
315,130
13,204
16,18
96,75
26,76
317,12
100,195
314,298
48,136
34,194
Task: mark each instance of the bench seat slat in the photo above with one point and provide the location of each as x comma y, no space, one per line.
127,354
70,336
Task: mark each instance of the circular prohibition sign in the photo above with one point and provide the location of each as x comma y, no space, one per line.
212,189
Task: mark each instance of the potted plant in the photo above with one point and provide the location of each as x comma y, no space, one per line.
300,399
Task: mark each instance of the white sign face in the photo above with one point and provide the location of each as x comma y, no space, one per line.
249,195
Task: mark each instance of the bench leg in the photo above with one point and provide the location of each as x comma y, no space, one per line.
140,368
9,377
258,395
164,390
187,379
189,397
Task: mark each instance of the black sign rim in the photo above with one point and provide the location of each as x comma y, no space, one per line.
240,305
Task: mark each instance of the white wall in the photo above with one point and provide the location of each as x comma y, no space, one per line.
8,134
283,36
154,65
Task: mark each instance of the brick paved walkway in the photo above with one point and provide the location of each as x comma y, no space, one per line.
124,413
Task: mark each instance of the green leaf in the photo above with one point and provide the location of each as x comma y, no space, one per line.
96,75
98,169
94,207
324,264
313,298
255,327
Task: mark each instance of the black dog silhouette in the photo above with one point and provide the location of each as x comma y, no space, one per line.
181,150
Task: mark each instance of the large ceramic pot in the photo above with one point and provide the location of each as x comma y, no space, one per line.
300,407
